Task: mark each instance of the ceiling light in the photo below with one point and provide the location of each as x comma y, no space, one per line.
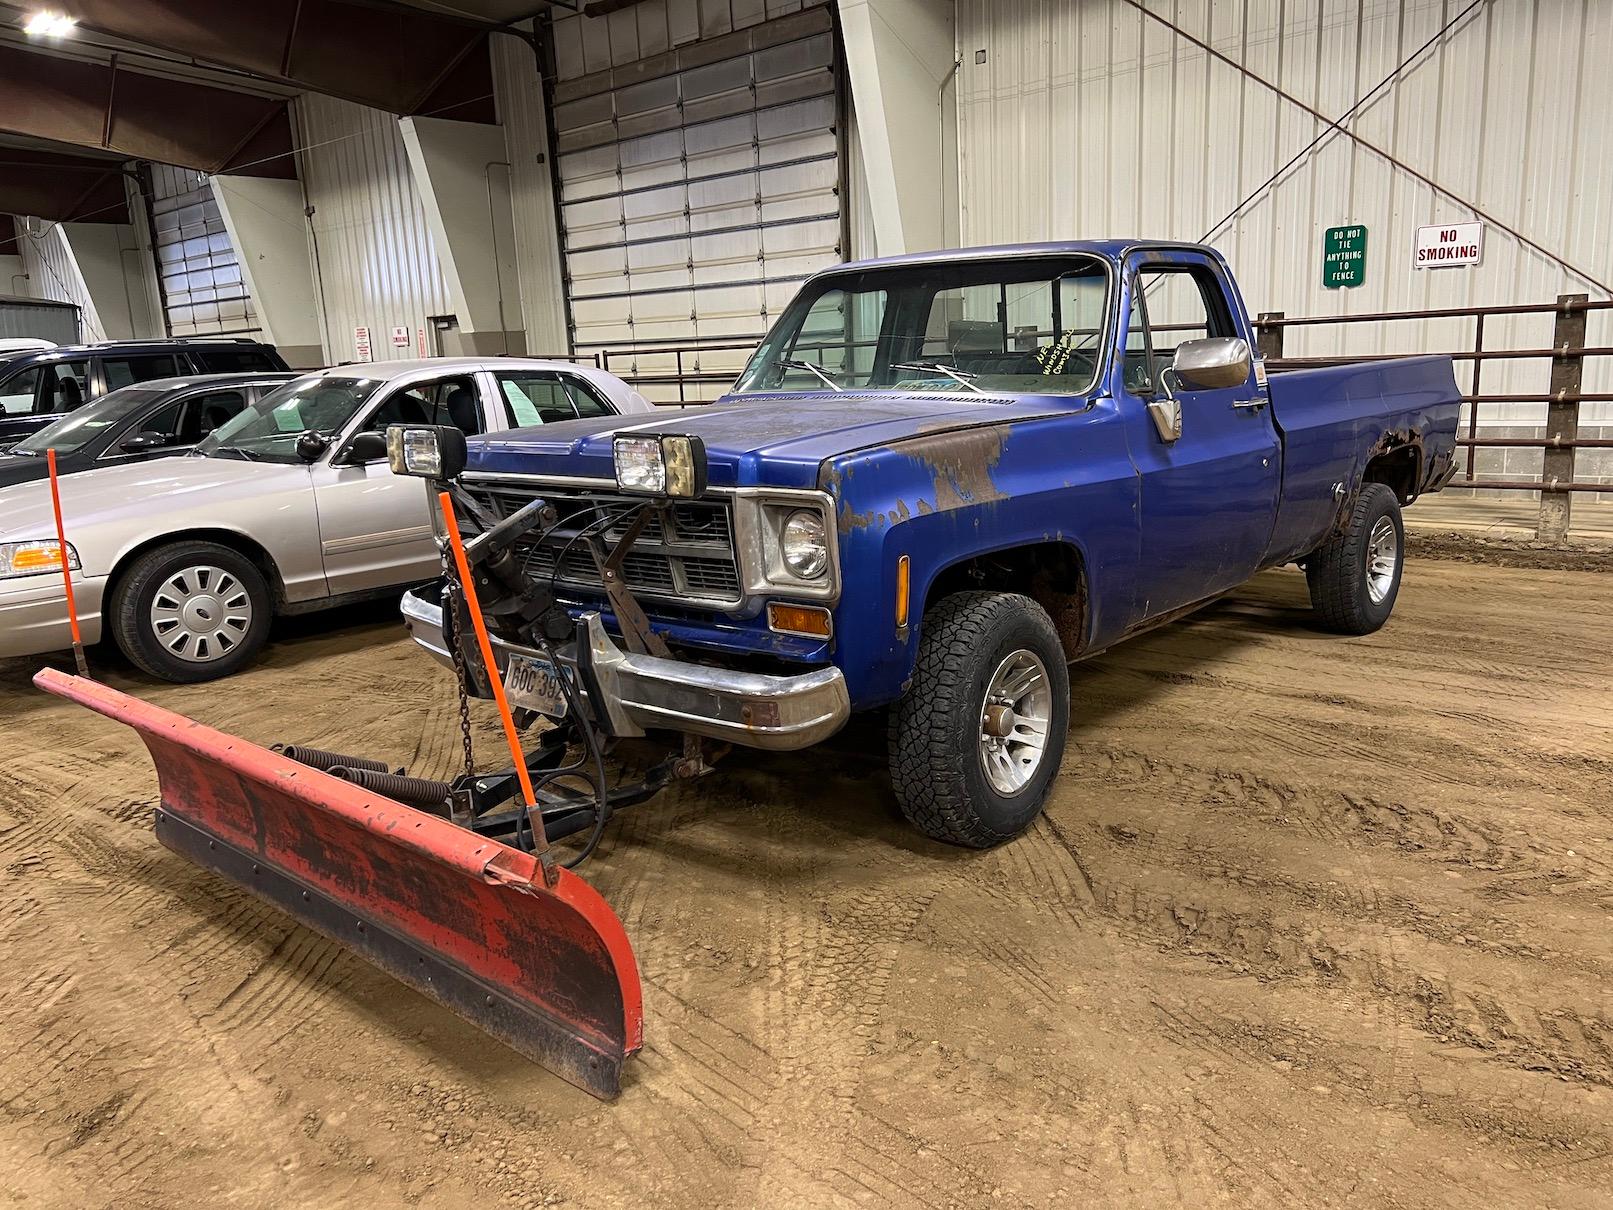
48,25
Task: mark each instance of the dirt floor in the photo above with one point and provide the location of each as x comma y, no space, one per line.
1310,921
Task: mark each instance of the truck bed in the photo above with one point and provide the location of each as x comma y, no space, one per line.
1333,419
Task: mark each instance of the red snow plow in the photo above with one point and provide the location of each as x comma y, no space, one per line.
526,950
455,887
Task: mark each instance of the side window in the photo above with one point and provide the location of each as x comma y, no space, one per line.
230,360
166,422
204,413
533,397
63,386
121,371
17,392
443,401
1170,306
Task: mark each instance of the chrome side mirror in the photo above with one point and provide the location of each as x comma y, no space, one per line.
1213,364
1166,414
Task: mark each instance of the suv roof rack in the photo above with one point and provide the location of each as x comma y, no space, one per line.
182,340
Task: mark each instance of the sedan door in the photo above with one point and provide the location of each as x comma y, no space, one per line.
375,528
175,427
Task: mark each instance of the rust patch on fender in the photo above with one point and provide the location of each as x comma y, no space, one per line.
961,463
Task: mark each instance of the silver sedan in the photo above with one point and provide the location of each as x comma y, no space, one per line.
288,507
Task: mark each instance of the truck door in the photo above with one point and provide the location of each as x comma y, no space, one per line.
1209,497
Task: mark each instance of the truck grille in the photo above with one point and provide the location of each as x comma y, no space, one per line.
684,553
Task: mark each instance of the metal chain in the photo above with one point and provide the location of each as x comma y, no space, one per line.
451,600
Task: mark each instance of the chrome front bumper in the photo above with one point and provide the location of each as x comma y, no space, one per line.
629,693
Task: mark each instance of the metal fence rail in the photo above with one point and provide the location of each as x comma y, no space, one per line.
680,369
1562,396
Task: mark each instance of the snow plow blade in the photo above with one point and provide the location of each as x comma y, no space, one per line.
468,921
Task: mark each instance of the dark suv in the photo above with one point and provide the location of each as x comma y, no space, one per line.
39,386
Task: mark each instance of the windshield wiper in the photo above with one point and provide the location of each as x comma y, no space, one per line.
221,451
791,363
961,377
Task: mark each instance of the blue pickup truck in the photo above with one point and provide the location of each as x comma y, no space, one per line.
940,480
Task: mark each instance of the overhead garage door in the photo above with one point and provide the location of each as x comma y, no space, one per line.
202,287
699,186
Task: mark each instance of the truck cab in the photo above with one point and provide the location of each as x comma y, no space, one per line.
939,481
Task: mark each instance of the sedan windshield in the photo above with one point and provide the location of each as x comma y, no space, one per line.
1030,325
77,429
268,430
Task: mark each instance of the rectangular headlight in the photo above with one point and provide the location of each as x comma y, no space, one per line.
34,558
660,466
426,451
639,465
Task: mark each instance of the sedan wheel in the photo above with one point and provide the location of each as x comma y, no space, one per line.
192,611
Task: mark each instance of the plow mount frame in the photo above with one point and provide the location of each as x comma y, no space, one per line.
541,963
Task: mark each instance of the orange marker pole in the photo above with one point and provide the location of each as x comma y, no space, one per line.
67,574
468,586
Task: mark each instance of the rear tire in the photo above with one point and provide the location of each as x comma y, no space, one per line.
980,733
1354,576
191,611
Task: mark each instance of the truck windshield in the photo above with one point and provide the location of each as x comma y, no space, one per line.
1032,325
268,430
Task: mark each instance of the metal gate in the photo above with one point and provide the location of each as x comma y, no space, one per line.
203,293
698,187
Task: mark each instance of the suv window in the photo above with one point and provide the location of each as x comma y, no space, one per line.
230,360
63,387
122,371
533,397
17,392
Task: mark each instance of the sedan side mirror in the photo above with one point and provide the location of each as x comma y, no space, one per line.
365,447
145,442
1213,364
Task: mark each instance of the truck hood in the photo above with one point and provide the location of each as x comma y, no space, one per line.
196,490
767,440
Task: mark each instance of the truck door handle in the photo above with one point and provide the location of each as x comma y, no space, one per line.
1253,405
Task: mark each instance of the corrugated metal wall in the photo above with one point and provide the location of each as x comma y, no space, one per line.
378,266
53,273
203,290
1089,118
38,320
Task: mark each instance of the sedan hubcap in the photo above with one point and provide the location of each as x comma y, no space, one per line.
201,614
1383,553
1013,721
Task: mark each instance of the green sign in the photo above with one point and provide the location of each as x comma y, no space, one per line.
1344,257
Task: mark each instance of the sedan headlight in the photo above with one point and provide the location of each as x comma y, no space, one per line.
804,544
34,558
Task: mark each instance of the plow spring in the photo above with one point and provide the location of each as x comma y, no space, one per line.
532,955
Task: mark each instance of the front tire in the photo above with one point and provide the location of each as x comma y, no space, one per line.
1354,576
191,611
980,733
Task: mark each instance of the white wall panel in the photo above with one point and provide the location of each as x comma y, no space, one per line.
377,266
53,273
1088,119
521,111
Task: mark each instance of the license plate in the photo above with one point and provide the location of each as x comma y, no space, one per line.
534,684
